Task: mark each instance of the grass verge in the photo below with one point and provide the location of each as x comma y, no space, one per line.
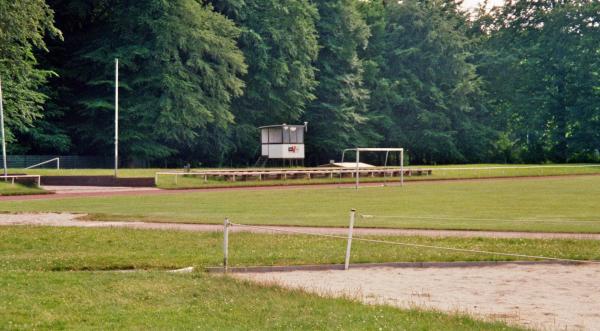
68,249
18,189
35,297
151,300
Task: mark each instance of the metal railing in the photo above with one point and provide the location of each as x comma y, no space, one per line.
13,177
46,162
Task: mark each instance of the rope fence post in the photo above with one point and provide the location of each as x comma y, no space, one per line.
349,245
225,244
404,244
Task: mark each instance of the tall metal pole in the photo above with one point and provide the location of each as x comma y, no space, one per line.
116,116
2,129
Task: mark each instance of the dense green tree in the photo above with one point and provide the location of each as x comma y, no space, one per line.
180,70
425,90
279,42
338,116
518,83
542,61
23,27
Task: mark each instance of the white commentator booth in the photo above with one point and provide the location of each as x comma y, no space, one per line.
283,142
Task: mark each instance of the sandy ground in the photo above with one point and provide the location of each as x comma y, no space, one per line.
544,297
67,219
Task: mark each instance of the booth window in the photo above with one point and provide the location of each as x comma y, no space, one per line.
275,136
292,135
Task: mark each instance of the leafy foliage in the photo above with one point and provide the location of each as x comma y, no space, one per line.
180,70
338,116
23,26
542,62
279,42
518,83
425,88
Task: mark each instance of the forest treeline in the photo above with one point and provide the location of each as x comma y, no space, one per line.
518,83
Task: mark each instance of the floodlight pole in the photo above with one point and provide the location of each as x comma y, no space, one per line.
116,116
2,132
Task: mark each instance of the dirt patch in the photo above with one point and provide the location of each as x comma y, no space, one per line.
96,189
67,219
546,297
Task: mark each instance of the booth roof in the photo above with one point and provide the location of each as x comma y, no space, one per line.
281,125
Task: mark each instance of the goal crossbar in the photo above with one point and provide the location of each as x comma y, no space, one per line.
375,149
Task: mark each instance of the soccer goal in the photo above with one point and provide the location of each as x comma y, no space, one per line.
387,152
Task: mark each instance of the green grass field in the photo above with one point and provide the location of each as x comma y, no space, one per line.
550,204
18,189
52,279
467,171
71,278
439,172
161,301
78,249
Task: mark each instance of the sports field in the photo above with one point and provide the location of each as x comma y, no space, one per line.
56,276
462,171
549,204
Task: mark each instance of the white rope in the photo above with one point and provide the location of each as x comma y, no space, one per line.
474,219
288,231
465,250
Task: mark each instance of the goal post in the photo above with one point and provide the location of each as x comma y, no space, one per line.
376,149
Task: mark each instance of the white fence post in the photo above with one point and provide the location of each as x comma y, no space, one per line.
349,246
225,244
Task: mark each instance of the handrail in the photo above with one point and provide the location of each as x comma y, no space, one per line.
13,177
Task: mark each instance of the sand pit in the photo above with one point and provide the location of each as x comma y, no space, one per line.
544,297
